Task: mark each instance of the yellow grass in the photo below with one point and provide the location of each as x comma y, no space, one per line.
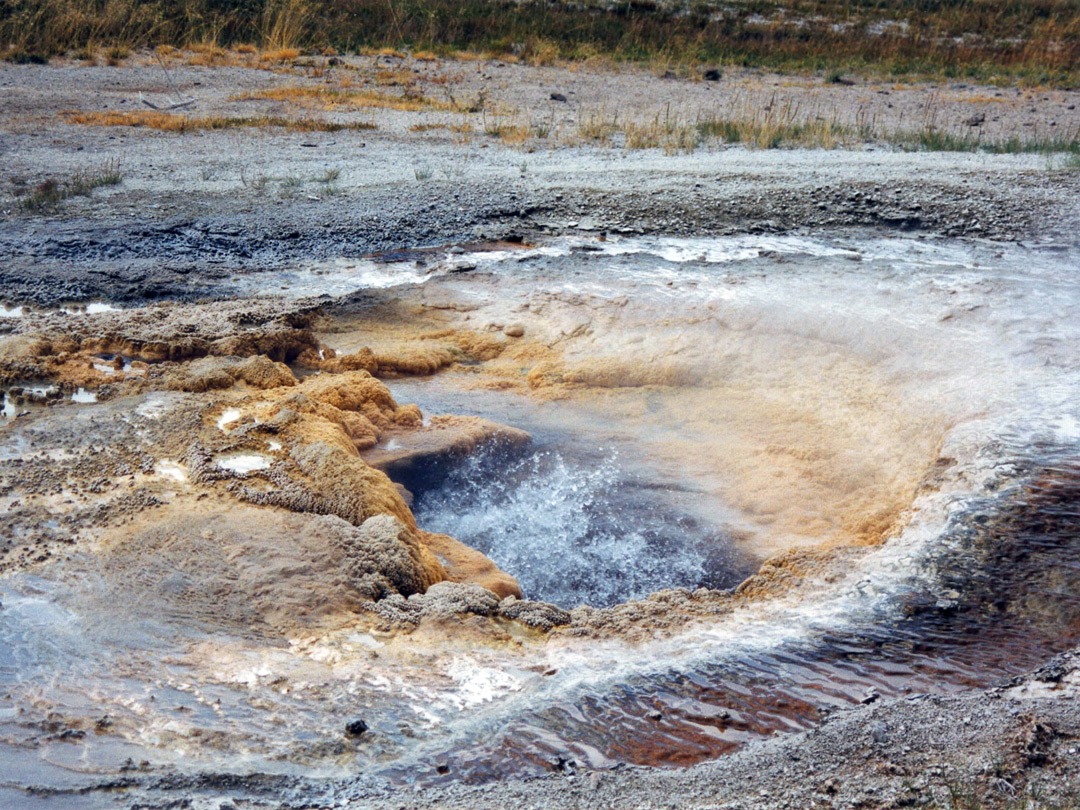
335,99
279,55
458,128
169,122
394,78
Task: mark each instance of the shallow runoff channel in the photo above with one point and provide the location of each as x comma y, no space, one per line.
894,422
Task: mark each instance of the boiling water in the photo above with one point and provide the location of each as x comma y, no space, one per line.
576,532
805,383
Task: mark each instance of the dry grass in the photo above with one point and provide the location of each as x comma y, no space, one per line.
1030,41
170,122
395,78
284,24
462,129
328,98
279,55
509,134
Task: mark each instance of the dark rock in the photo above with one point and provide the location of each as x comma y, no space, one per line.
564,766
558,97
712,75
356,728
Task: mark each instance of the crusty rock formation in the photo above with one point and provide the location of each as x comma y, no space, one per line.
408,453
540,615
265,569
465,564
384,557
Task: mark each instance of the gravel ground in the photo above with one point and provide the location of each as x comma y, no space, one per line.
194,207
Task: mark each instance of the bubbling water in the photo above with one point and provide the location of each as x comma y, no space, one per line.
571,531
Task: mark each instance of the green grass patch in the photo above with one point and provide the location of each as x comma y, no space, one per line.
935,140
48,194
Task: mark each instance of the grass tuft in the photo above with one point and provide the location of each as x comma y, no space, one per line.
328,98
48,194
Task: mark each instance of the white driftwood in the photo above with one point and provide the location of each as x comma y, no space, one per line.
178,105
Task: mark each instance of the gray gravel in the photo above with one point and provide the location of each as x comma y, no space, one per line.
196,207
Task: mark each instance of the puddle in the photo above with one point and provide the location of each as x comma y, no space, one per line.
228,416
83,396
113,364
243,462
19,398
171,469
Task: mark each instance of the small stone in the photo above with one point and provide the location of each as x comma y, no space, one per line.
558,97
356,728
712,75
878,731
514,330
655,715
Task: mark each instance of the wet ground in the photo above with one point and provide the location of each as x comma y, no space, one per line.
887,422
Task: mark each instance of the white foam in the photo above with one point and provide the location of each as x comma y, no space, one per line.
12,312
478,684
93,308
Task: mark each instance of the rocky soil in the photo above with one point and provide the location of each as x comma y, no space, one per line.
196,207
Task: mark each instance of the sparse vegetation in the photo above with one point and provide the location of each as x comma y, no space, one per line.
786,126
1037,41
49,193
171,122
331,98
